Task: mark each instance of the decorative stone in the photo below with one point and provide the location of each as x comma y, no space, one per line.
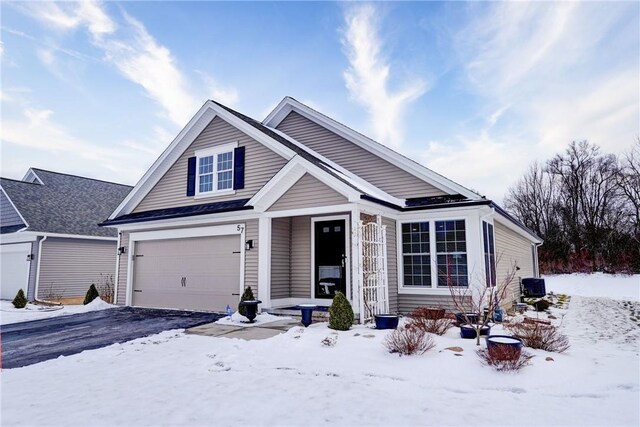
455,349
549,359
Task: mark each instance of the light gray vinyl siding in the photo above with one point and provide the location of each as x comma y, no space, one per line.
122,270
512,249
261,164
69,266
308,192
251,256
363,163
8,215
392,263
280,257
408,303
250,260
33,270
301,257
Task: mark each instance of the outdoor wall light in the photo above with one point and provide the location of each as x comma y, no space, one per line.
248,245
122,250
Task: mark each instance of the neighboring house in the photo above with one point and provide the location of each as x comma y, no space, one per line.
50,243
280,206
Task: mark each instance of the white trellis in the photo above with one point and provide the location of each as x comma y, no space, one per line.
374,293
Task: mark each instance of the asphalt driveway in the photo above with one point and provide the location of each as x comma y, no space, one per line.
32,342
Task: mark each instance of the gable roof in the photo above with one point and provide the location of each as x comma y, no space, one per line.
289,104
63,203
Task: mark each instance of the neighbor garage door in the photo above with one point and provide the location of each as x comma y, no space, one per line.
201,273
15,269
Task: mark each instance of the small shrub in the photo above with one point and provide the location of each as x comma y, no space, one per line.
505,358
430,320
541,305
408,340
20,301
340,313
106,287
539,336
92,294
247,295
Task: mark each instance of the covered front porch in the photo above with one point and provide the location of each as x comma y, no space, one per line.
314,255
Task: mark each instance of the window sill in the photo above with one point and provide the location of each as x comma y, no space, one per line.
425,290
214,194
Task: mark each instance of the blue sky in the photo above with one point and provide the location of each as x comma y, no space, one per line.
475,91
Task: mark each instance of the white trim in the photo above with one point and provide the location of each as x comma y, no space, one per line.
514,227
15,209
288,302
219,230
118,256
17,237
289,104
32,176
264,261
214,152
189,221
321,210
357,291
347,249
474,252
26,236
37,287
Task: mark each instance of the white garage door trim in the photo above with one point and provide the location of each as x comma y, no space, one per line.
22,251
216,230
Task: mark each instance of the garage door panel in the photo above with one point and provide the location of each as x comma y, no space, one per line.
14,269
194,273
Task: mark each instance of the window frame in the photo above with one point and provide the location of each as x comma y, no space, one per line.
431,220
490,260
214,152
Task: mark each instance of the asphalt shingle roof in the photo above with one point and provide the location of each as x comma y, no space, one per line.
65,204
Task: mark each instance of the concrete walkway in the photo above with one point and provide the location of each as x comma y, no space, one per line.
258,332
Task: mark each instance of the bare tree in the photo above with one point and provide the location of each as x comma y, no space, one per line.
480,298
629,183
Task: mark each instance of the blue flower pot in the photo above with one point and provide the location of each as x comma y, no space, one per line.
251,309
460,318
387,321
307,313
469,331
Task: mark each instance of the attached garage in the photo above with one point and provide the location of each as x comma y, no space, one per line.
15,269
192,273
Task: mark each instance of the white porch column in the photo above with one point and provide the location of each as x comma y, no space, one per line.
356,265
264,261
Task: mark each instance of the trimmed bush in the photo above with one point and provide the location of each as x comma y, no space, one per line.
340,313
430,320
20,301
408,340
539,336
92,294
247,295
505,359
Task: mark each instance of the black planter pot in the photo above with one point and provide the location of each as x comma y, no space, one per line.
251,308
497,343
307,313
387,321
471,317
469,331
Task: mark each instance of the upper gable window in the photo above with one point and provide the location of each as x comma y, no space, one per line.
215,170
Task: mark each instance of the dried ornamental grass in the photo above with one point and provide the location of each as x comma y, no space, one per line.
505,358
539,336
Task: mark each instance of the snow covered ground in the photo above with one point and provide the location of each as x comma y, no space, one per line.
595,285
293,379
10,314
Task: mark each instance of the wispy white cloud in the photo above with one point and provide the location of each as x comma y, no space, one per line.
136,54
368,76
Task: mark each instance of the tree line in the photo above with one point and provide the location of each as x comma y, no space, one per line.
585,204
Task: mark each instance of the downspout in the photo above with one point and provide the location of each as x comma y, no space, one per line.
118,255
35,296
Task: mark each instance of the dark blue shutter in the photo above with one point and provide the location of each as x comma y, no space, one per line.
191,176
238,168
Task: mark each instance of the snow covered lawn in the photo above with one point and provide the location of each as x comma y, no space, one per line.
10,314
292,379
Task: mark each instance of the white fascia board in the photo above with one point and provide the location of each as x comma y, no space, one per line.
14,207
18,237
184,139
30,173
289,104
289,175
28,236
515,227
189,221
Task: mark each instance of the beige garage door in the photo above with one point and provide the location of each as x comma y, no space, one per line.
201,273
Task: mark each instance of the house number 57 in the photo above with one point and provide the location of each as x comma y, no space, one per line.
240,228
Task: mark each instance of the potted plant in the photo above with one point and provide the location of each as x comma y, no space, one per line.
250,309
504,347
